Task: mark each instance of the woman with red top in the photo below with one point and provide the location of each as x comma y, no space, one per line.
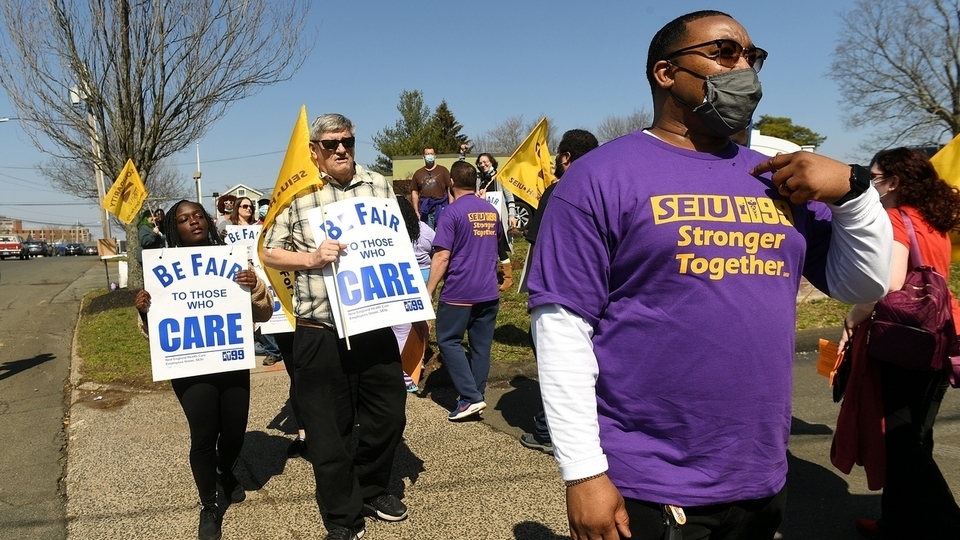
916,500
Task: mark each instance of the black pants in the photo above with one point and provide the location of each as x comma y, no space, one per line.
756,519
338,389
285,343
216,407
916,502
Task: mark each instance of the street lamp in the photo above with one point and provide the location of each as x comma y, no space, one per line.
76,98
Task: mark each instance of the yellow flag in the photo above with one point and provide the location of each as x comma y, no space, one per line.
127,194
528,171
297,174
947,164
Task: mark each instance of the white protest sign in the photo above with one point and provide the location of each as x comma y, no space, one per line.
244,235
200,319
378,281
500,203
248,236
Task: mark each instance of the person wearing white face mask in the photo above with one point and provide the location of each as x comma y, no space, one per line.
430,188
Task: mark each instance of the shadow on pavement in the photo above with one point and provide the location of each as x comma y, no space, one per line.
530,530
11,368
285,421
517,406
820,505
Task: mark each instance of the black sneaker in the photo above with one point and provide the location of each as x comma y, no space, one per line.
231,487
385,507
297,448
209,528
345,533
529,440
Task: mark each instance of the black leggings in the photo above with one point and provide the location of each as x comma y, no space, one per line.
216,408
916,502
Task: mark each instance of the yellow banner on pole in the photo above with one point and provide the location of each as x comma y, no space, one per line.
529,170
126,196
297,173
947,163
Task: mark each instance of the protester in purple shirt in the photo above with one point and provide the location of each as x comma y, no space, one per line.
663,289
465,258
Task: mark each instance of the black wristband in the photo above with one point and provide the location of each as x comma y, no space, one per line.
859,182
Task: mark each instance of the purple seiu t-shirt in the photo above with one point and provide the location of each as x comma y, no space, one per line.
468,228
687,267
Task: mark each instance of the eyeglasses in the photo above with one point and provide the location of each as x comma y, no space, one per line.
246,206
183,218
877,179
331,145
728,53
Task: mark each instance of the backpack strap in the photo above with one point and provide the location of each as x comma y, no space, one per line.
916,259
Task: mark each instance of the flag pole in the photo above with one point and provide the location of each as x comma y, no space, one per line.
336,284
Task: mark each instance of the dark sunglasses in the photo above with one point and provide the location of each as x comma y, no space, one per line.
728,53
245,206
331,145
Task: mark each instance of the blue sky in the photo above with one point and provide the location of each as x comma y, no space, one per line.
573,61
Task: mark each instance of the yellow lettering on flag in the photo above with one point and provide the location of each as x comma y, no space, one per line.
297,174
529,170
947,164
126,196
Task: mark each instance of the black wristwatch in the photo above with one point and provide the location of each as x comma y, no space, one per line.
859,182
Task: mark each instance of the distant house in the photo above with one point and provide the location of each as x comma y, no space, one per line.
771,146
243,190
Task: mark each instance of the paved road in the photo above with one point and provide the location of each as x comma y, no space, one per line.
39,312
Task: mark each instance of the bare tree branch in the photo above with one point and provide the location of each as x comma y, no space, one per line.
152,76
898,66
617,126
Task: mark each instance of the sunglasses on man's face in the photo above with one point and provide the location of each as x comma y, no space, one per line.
331,145
728,53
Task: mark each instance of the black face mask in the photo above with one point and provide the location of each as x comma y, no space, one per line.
558,168
730,100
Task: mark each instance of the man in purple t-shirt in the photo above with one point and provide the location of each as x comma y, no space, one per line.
662,296
465,258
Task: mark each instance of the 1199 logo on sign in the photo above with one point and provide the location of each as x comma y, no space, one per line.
229,356
413,305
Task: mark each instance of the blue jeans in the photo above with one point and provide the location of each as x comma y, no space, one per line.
268,343
479,322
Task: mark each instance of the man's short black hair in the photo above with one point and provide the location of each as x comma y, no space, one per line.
668,39
464,175
577,142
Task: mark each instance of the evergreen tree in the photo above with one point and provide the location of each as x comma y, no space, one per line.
783,128
408,136
445,136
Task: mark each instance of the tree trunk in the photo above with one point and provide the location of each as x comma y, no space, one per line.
134,268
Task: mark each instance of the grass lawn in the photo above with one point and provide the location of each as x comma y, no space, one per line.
113,350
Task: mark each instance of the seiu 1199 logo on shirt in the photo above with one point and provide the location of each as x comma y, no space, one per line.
231,355
413,305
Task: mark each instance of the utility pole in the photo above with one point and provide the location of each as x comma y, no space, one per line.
196,177
78,98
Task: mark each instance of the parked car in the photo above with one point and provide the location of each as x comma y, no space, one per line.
12,245
73,249
41,249
90,250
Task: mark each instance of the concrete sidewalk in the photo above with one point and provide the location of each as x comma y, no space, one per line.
128,474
